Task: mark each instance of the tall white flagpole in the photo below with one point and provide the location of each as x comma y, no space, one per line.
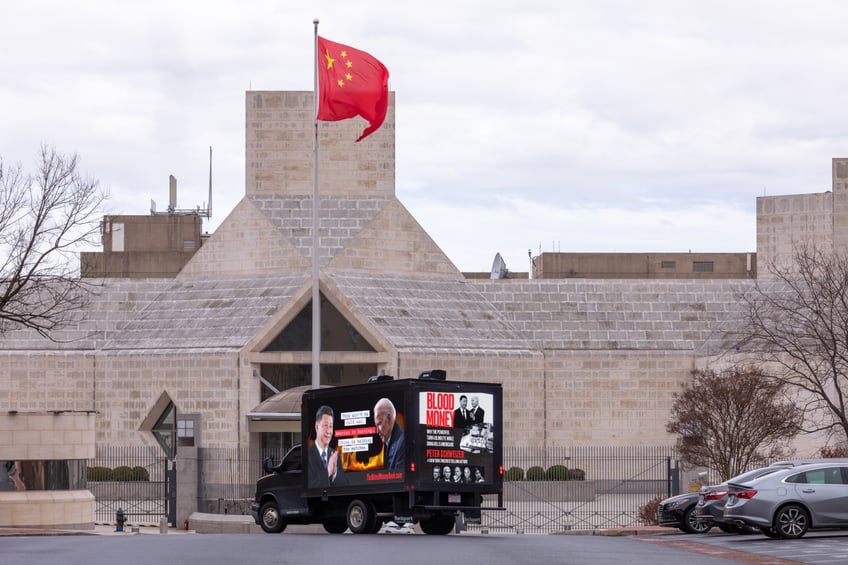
316,295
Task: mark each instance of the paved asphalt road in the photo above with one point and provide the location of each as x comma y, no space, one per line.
260,549
149,546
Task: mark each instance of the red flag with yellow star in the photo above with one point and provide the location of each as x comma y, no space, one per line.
351,83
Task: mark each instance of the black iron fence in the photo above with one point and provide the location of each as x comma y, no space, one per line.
580,488
545,490
133,479
227,477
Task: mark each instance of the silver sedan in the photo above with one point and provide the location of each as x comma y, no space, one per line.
789,502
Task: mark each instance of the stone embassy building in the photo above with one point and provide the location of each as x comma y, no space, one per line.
582,361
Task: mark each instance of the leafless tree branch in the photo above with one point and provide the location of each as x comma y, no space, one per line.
732,420
45,218
797,325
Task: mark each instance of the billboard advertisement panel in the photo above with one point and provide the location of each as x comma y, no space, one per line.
458,432
355,439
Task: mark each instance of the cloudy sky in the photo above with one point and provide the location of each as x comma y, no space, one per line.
537,125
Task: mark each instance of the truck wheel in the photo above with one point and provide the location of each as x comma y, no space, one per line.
335,526
269,518
438,524
361,517
378,525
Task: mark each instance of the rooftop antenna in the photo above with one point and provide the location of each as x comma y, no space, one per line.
499,270
172,198
209,206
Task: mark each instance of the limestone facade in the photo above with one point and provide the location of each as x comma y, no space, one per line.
819,219
582,361
32,442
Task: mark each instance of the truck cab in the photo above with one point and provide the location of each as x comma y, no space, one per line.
282,485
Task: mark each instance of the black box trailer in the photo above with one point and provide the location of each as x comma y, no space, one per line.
419,451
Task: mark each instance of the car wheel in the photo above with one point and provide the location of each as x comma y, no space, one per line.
791,522
769,532
269,518
335,526
692,524
361,517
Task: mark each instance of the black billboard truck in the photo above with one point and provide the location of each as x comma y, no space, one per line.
412,451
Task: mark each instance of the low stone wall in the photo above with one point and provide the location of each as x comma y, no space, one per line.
579,491
633,486
204,523
224,505
64,509
552,491
48,438
127,490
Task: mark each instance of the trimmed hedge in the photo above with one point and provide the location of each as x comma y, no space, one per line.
514,474
556,473
536,473
140,474
122,473
98,473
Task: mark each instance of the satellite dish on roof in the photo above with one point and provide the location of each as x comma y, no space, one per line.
499,270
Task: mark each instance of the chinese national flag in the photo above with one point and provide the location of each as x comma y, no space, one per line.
351,83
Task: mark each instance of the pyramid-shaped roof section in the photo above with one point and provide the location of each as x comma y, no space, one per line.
109,305
208,312
427,313
363,227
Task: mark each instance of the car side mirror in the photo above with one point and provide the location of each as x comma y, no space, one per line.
268,465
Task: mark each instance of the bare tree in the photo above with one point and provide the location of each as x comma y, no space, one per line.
797,324
734,419
45,218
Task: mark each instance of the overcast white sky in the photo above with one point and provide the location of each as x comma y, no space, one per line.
557,125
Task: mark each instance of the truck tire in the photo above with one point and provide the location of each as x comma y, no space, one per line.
361,517
335,525
438,525
378,525
269,518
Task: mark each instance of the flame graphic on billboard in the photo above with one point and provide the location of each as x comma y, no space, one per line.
351,463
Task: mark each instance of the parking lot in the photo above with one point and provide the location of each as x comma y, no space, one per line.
818,548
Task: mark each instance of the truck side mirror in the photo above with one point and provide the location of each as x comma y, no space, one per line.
268,465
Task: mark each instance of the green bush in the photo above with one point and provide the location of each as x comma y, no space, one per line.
122,473
98,473
140,474
514,474
536,473
556,473
576,475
